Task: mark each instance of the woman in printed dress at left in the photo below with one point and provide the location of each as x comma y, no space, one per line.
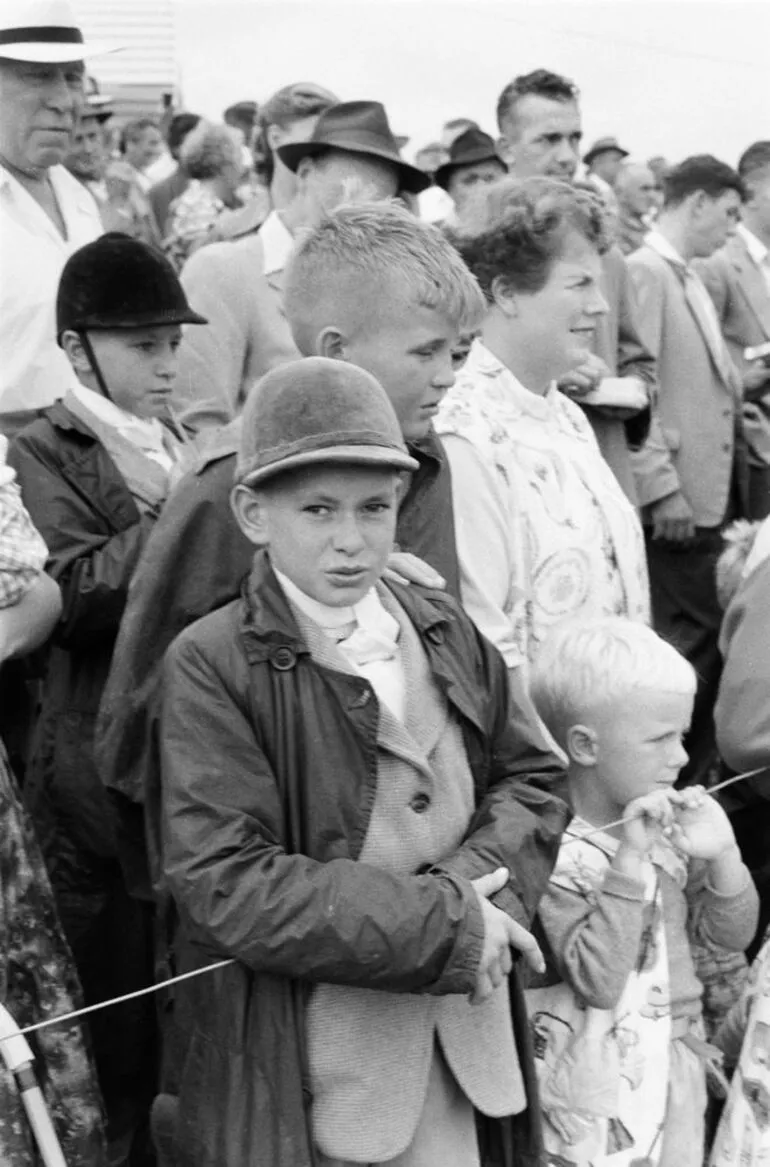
37,975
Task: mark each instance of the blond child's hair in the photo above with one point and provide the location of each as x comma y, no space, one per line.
341,270
586,664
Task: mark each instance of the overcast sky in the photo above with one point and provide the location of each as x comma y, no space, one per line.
666,76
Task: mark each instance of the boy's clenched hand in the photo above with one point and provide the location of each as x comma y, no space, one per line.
701,828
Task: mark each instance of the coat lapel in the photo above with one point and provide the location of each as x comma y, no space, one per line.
752,285
392,734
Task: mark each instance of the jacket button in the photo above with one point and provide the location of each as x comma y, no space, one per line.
420,803
283,658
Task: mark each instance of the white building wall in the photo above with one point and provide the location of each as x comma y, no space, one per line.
147,31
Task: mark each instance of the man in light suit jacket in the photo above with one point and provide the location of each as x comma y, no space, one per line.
351,153
540,125
738,279
691,473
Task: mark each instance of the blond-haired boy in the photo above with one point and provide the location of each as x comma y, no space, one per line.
644,871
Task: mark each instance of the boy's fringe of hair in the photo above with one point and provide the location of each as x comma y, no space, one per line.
585,664
366,246
738,541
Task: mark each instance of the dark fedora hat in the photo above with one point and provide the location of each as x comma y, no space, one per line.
358,127
604,146
469,148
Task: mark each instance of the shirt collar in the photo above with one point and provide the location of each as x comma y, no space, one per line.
754,246
482,360
659,243
277,242
368,613
147,433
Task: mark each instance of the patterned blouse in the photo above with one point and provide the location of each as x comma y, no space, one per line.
544,531
22,550
191,219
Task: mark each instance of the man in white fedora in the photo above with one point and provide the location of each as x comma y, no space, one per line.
45,213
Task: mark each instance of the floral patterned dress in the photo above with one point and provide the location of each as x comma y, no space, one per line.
38,981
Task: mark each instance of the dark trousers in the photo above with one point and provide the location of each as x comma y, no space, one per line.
686,613
759,492
113,951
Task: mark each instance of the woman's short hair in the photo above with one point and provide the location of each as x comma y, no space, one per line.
515,229
209,149
584,664
134,130
291,104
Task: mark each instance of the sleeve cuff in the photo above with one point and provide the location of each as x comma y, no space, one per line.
625,887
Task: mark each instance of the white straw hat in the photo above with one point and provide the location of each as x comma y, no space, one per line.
46,31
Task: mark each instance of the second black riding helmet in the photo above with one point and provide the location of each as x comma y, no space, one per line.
118,282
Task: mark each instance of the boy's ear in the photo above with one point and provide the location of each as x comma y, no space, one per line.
331,343
582,745
250,514
73,347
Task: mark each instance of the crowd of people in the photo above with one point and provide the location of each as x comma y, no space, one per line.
384,554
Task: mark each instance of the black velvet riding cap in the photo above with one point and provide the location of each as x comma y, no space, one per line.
118,282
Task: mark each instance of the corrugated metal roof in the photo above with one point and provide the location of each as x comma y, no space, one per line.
147,31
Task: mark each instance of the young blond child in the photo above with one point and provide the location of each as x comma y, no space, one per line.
644,871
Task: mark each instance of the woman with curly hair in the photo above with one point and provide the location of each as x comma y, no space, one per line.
212,156
544,531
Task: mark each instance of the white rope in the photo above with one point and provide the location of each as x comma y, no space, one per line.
197,972
76,1013
711,790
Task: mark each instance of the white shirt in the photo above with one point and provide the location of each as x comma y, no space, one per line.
758,252
146,433
161,168
435,205
277,243
386,677
34,371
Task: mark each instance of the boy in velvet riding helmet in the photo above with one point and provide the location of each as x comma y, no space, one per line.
349,813
94,471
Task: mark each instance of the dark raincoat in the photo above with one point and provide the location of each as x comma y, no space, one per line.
268,755
95,533
194,562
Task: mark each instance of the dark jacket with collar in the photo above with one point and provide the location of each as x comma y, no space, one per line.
194,563
269,774
95,534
